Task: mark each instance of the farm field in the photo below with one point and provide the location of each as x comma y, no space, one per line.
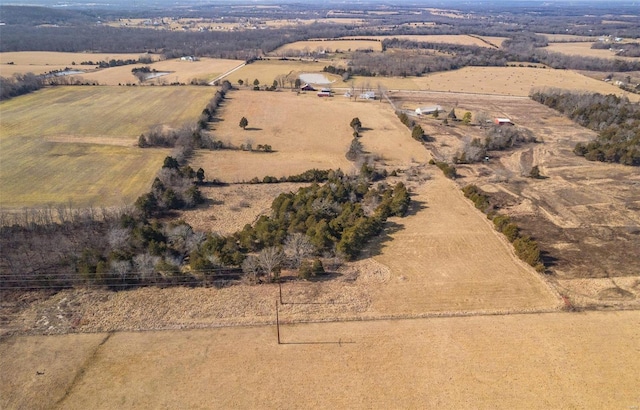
583,214
66,59
514,81
41,62
461,39
336,46
452,362
567,38
447,257
585,50
266,71
84,140
305,132
180,71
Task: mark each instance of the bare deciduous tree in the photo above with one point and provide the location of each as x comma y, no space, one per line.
270,261
297,247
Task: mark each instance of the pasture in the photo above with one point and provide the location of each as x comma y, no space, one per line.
305,132
266,71
461,39
331,46
585,50
512,81
179,71
84,140
542,361
41,62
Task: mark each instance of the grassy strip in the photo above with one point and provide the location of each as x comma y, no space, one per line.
526,248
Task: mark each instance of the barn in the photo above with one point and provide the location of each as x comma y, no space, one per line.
428,110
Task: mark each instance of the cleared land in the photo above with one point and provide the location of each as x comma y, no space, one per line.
84,140
515,81
179,71
335,46
305,132
585,50
41,62
447,257
583,214
67,59
461,39
266,71
471,362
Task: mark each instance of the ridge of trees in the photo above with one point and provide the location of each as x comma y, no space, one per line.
616,120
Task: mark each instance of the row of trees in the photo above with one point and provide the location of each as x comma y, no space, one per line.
526,248
616,120
19,84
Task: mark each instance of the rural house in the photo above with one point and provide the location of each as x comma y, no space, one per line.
502,121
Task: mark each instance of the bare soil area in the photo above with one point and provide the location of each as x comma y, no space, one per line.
535,361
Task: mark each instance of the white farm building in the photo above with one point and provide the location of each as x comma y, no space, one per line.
428,110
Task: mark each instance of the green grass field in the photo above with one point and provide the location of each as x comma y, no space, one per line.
78,144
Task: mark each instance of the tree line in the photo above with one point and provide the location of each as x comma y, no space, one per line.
133,247
615,118
526,248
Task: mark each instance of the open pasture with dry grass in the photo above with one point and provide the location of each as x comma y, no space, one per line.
177,70
515,81
305,132
585,50
331,46
266,71
583,214
84,140
461,39
537,361
41,62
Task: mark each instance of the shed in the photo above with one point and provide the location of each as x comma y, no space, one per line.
428,110
307,87
368,95
502,121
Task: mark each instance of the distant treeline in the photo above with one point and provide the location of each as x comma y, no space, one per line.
616,120
20,84
243,45
433,57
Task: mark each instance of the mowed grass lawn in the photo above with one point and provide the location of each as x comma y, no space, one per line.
78,144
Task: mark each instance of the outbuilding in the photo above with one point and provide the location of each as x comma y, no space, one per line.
502,121
428,110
